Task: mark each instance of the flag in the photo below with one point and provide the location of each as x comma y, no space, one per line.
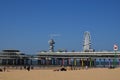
115,47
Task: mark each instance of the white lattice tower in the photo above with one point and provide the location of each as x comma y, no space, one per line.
51,45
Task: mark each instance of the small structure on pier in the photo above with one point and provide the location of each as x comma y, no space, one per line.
13,57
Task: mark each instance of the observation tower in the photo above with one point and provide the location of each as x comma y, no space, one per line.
51,45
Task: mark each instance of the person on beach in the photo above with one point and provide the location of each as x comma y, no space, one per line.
28,68
86,67
4,68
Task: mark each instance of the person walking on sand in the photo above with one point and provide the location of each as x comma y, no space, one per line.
4,68
28,68
86,67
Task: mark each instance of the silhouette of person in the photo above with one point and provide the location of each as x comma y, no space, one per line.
4,69
28,68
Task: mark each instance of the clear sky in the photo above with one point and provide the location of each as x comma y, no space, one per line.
27,24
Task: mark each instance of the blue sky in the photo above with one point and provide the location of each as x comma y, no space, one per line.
27,24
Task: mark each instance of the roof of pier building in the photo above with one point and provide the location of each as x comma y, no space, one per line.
11,52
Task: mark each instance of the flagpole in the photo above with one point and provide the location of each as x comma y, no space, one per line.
115,55
115,58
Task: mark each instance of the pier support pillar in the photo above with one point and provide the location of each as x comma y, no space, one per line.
82,62
94,62
42,61
13,62
7,61
53,61
62,61
104,63
31,63
56,61
119,62
47,61
74,61
87,62
69,61
90,62
109,62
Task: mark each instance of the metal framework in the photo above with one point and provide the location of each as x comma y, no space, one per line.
51,45
87,42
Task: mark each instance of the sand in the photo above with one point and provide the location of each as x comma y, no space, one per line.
90,74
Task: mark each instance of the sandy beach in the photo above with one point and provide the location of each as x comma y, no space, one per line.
90,74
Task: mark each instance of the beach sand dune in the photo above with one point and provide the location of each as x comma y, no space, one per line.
90,74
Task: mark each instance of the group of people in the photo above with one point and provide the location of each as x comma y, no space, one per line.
27,67
3,69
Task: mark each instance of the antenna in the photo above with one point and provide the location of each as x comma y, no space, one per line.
54,35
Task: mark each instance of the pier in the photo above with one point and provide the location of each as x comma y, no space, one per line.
76,59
